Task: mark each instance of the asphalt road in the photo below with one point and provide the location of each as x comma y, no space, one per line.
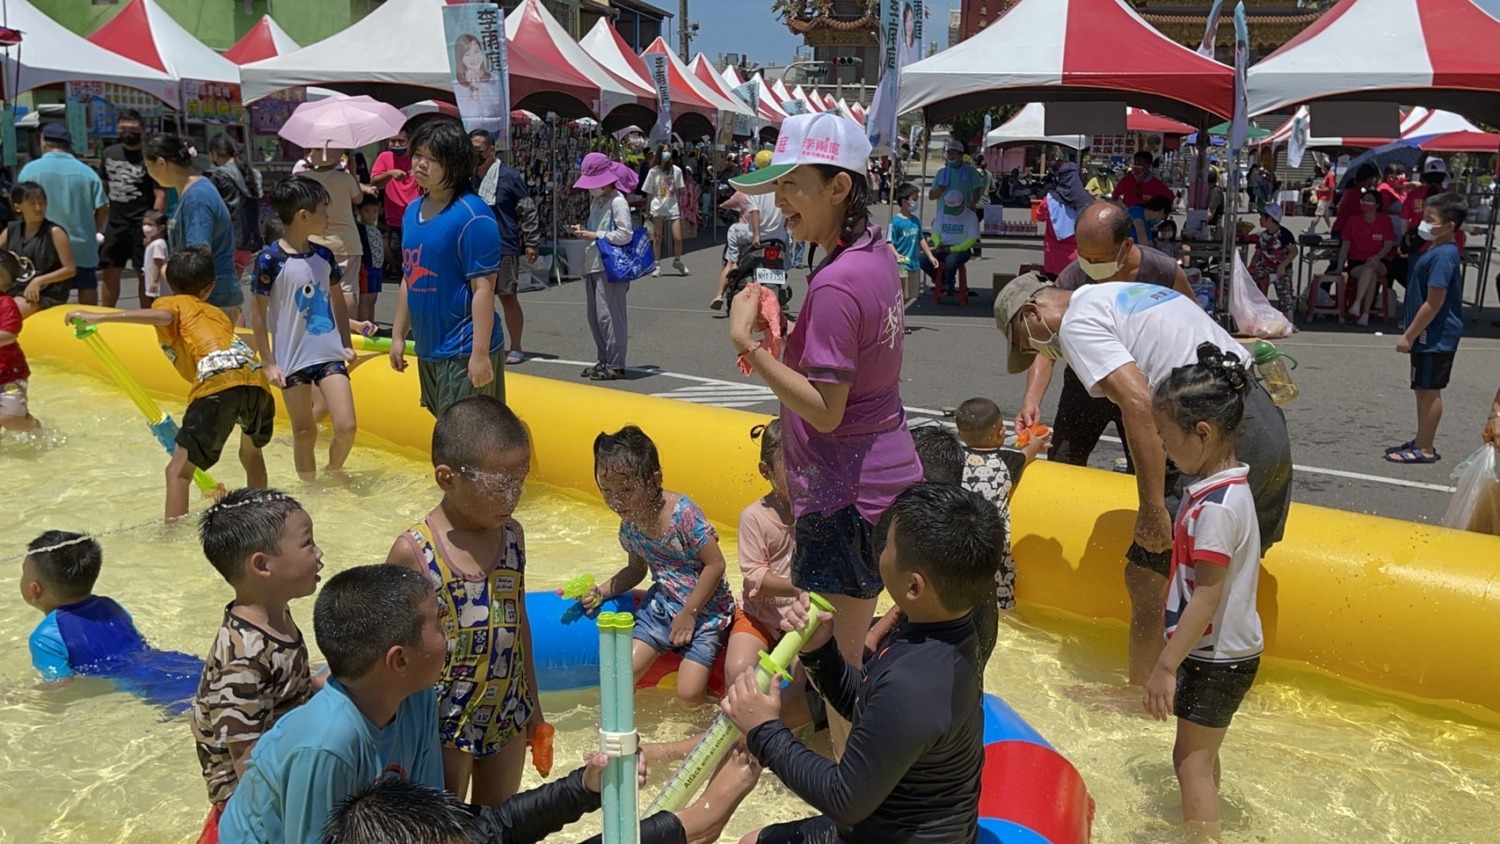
1355,399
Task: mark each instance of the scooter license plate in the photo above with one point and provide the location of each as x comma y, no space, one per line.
770,276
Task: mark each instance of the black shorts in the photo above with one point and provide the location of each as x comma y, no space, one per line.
208,422
1080,422
1209,693
819,830
50,296
123,244
316,373
1156,561
1431,370
836,554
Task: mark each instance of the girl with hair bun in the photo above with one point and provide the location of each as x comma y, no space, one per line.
1213,631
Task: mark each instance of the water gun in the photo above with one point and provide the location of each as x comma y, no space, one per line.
162,426
1023,436
361,343
541,748
705,758
575,590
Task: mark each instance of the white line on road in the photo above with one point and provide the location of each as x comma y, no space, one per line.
741,399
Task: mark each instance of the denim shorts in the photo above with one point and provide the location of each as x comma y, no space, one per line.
653,626
1209,693
836,554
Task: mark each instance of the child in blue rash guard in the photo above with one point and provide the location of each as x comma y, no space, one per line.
901,779
90,634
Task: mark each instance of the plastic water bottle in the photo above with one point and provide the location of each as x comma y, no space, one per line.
1273,373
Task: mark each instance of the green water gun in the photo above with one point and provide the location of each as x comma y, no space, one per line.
577,588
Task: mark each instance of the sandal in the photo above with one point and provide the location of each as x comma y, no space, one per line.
1412,455
589,373
516,356
604,374
1409,444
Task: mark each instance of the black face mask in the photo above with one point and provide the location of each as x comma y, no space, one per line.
130,139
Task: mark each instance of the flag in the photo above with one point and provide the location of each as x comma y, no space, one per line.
1239,128
901,44
475,34
1211,31
1296,144
660,74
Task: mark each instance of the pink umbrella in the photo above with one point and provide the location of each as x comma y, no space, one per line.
342,123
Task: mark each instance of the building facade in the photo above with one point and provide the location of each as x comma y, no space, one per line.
1271,22
847,30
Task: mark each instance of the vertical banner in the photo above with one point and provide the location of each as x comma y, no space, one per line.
8,133
475,34
749,94
78,125
1211,31
1296,143
900,45
1239,128
794,106
984,139
657,64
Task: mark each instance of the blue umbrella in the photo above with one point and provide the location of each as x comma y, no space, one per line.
1403,151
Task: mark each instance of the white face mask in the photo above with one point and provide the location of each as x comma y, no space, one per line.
1050,348
598,193
1101,270
1424,231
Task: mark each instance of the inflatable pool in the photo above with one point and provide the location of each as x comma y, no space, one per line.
1375,601
1029,793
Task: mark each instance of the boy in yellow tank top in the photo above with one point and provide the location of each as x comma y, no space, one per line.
475,554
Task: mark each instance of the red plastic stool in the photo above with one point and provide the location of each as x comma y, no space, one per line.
963,285
1340,293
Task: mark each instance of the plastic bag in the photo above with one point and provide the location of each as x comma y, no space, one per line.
1476,502
1250,309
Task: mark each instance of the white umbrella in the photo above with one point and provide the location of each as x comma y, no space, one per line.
347,123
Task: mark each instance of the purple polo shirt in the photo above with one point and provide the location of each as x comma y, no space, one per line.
851,331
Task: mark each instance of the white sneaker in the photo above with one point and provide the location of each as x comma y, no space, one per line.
656,271
679,266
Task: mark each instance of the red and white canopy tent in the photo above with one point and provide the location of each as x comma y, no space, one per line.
264,40
1069,50
1443,131
1437,53
50,54
711,80
143,32
532,32
685,83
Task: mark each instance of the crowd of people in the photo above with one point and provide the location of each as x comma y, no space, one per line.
430,661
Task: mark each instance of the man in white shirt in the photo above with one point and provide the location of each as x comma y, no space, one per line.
765,219
1122,339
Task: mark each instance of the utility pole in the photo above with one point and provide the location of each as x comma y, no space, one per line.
684,31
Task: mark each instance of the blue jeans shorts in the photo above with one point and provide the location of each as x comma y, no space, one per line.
653,626
836,554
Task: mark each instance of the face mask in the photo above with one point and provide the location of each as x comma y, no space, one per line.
149,232
1424,231
598,193
666,157
956,163
130,139
1050,348
1138,172
1099,271
395,150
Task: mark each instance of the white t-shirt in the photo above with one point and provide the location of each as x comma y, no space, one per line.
955,229
1158,329
663,188
300,312
1216,526
156,250
772,221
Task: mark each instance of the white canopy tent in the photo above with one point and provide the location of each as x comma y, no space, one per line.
1027,126
50,54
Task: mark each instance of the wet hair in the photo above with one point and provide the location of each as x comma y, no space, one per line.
484,134
224,147
298,193
1211,390
448,144
26,190
629,452
977,415
952,536
129,114
856,207
905,191
10,268
66,563
190,270
769,436
173,149
1450,207
941,453
398,811
474,427
363,612
241,524
1160,204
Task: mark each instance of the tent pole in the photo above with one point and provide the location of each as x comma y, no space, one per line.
922,185
1489,247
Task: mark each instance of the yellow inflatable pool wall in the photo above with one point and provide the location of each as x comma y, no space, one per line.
1407,608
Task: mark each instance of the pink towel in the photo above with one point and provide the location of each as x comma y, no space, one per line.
770,311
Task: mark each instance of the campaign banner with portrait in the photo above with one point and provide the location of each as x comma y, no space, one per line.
900,45
475,33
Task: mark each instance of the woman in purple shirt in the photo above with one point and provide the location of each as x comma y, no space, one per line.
848,451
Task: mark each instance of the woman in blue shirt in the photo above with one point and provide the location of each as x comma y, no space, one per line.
201,217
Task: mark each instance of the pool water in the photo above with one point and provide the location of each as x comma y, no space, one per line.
1308,759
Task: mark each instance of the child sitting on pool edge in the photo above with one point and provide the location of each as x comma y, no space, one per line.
900,776
229,389
471,548
88,634
689,607
1213,631
261,542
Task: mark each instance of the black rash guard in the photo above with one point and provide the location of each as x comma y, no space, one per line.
910,771
532,816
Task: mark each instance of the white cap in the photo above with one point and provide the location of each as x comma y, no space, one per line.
1435,165
1273,211
824,138
954,145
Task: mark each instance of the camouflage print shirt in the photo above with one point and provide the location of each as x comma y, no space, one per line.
250,679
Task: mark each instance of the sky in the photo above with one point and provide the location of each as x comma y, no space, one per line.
748,27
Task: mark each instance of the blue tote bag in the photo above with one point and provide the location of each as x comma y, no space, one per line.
629,262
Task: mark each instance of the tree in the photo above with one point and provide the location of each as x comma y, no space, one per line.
967,127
